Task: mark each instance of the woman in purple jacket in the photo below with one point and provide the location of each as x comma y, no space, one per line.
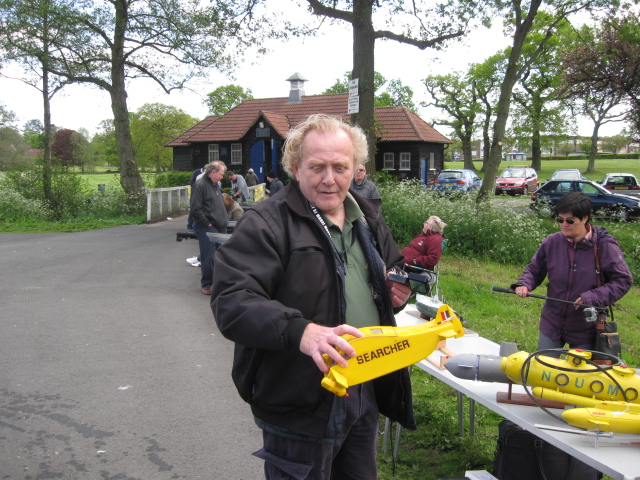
568,260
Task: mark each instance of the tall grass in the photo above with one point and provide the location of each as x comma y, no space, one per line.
488,245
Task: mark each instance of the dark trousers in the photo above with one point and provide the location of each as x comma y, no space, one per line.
545,342
207,250
353,457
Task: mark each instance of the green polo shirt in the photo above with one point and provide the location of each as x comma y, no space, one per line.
361,309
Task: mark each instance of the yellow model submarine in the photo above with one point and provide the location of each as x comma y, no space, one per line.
608,394
382,350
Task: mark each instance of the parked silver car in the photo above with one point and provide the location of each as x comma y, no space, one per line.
625,183
567,174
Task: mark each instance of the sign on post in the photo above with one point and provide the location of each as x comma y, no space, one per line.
353,105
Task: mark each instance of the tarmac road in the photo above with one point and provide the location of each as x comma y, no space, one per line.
111,365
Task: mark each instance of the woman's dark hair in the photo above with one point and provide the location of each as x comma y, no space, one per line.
576,203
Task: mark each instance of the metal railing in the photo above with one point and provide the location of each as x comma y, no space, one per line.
163,202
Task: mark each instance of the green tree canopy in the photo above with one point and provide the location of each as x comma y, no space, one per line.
520,19
33,133
12,148
224,98
539,110
7,117
454,94
103,144
168,41
152,127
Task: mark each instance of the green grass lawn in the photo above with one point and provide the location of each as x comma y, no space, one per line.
112,178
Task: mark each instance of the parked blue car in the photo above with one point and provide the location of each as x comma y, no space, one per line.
456,180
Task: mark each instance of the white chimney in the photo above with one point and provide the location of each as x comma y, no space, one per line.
297,88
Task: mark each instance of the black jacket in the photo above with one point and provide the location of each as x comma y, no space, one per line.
277,273
207,205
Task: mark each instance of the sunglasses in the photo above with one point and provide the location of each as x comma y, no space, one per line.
561,220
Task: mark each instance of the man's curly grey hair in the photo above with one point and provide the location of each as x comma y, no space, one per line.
323,123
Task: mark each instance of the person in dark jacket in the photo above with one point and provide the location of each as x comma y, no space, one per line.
209,215
197,173
302,269
425,250
568,260
363,187
275,184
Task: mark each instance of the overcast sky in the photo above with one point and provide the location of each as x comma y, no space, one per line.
321,60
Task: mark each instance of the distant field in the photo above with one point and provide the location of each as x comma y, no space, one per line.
94,179
550,166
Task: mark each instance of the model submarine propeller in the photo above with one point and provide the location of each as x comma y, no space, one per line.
382,350
608,395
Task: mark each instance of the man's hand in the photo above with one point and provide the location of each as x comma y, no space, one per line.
522,291
318,340
579,301
399,293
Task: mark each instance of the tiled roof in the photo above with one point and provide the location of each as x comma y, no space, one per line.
401,124
398,123
182,140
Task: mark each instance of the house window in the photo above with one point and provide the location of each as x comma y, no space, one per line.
214,152
388,161
236,154
405,161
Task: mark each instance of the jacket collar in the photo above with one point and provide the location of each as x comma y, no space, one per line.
299,204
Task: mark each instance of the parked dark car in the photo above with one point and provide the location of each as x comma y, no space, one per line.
605,203
456,180
517,179
624,183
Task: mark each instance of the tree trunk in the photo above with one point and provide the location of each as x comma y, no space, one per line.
536,151
363,69
467,150
591,167
504,103
467,153
486,142
130,177
536,114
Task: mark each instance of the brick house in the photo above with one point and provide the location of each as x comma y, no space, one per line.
251,135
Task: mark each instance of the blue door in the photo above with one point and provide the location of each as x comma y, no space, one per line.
275,160
257,160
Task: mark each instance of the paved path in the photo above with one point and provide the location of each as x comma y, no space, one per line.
111,365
